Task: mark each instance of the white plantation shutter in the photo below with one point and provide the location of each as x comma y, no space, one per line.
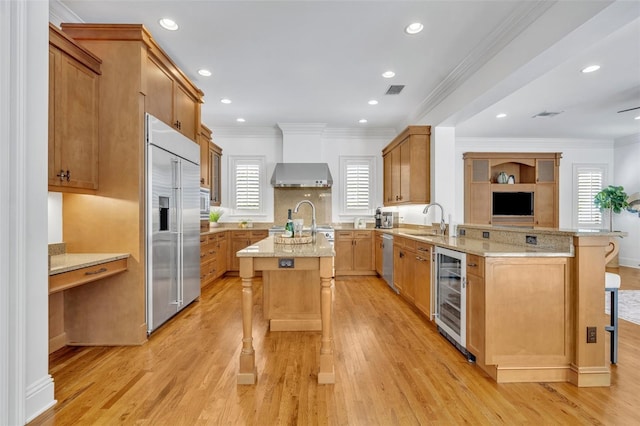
357,184
589,181
247,184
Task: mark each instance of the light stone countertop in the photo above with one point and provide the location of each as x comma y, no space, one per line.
71,261
268,248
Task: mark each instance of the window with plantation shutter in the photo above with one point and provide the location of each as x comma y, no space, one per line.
588,181
357,184
247,173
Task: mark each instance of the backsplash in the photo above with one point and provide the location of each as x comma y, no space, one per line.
287,198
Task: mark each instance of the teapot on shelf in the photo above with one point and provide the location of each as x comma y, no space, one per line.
502,177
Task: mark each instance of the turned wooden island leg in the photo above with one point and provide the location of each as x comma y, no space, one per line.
247,374
327,373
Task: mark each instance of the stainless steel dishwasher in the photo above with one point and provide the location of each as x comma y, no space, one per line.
387,260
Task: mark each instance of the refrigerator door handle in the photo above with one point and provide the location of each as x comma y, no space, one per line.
175,184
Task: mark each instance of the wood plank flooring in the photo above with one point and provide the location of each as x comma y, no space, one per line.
392,368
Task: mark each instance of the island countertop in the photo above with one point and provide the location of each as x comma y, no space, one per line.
269,248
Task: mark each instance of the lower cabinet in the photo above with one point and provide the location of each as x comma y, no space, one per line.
378,252
213,257
475,307
239,240
354,253
422,278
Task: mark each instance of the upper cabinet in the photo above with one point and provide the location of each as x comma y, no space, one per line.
511,188
210,162
407,167
168,99
74,96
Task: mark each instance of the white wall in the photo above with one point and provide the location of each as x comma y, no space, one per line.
627,174
54,210
573,152
268,142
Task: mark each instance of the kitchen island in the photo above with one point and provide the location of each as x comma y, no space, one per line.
297,296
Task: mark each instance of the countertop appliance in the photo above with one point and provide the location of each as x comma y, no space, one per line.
451,296
389,220
387,260
378,218
172,222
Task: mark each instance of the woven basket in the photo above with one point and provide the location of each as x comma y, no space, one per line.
305,239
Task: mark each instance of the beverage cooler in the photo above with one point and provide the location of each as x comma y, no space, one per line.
451,296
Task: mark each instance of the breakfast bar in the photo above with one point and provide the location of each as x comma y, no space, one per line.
297,296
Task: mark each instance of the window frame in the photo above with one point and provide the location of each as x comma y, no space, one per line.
345,162
234,162
578,169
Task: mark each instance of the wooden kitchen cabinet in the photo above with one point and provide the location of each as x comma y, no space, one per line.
404,252
213,257
239,240
354,252
475,307
204,138
407,167
74,96
168,99
215,161
537,173
422,278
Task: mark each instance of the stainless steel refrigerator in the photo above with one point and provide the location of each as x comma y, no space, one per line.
172,222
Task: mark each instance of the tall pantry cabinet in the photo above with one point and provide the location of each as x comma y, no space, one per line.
113,313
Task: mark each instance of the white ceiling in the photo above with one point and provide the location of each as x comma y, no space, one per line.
321,61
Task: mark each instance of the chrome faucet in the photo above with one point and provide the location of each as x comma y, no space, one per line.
443,227
313,217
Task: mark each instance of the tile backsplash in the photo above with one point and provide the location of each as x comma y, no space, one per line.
287,198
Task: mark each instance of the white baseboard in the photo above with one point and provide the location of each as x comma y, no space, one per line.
39,397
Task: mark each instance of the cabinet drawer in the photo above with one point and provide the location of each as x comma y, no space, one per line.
241,234
346,235
362,234
475,265
261,235
422,248
81,276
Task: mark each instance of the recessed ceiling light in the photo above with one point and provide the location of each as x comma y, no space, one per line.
168,24
373,102
240,120
362,120
637,118
388,74
414,28
225,100
205,73
501,115
591,68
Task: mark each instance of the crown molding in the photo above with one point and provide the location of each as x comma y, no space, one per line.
246,132
302,128
59,12
360,133
530,144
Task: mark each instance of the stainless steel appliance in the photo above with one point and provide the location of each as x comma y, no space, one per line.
389,220
451,296
387,260
205,203
172,222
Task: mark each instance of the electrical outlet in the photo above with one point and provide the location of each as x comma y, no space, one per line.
485,234
592,334
531,239
463,232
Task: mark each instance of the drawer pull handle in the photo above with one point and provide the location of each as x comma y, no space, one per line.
473,265
99,271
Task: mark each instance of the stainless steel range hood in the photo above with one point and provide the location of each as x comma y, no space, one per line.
302,175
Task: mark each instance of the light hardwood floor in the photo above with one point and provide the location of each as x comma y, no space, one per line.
392,368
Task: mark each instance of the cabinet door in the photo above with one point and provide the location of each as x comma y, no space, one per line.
478,191
408,272
363,251
546,171
475,316
422,279
159,96
388,178
344,251
205,170
395,175
398,267
76,92
222,258
215,158
185,112
53,168
544,205
405,172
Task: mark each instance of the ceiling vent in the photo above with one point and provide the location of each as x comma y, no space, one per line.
395,89
546,114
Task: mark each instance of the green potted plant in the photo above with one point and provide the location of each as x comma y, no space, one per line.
612,198
214,216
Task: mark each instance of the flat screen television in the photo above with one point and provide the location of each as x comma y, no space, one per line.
512,204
